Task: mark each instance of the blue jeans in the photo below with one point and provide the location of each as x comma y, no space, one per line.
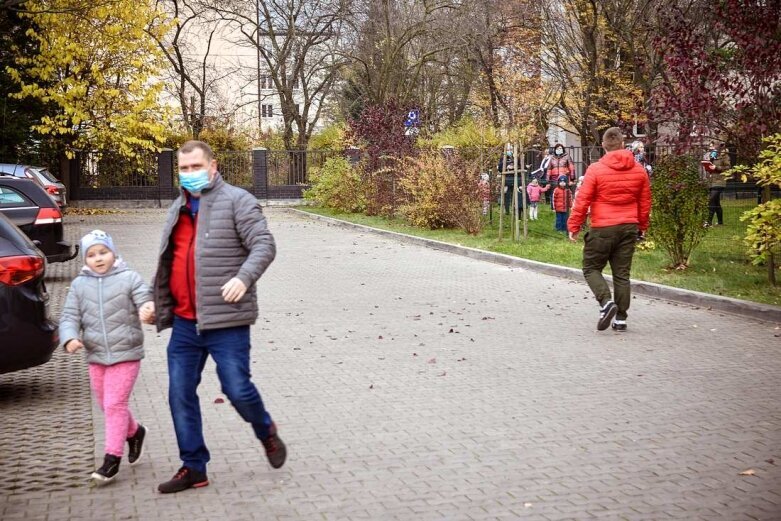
561,221
187,353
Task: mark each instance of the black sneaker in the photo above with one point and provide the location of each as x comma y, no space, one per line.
276,452
619,325
606,314
136,444
108,471
185,478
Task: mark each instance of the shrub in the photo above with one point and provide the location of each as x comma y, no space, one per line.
379,132
331,137
337,185
763,234
680,206
441,192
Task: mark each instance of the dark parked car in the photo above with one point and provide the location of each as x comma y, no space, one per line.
40,175
29,336
30,208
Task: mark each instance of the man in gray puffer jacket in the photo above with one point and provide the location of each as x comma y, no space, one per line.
215,246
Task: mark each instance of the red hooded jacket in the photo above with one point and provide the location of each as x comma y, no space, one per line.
617,190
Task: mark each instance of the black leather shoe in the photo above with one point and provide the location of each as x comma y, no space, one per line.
185,478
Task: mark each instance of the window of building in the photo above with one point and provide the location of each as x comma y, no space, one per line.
267,111
265,81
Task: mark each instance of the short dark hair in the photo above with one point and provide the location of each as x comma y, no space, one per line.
613,139
192,145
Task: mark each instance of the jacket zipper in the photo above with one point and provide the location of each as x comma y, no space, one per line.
103,321
191,290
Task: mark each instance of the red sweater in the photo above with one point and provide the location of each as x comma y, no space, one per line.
617,190
182,282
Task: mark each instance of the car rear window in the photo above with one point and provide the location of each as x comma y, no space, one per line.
10,198
47,175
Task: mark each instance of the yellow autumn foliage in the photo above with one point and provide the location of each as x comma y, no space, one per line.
98,64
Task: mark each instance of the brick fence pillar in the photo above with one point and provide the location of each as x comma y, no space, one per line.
260,173
73,172
165,173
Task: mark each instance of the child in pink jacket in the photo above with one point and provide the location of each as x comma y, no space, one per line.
535,192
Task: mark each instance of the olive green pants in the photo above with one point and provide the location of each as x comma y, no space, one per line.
614,245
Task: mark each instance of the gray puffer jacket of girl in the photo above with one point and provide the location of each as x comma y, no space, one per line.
102,312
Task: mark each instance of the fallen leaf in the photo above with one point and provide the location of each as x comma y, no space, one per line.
749,472
771,461
219,400
380,337
371,386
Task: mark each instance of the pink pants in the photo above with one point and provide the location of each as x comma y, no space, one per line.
112,385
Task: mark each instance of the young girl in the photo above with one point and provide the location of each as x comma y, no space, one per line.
562,202
535,192
101,314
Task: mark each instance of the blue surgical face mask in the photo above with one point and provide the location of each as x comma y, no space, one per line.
713,154
194,182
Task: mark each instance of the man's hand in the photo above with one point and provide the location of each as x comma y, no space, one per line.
573,236
73,345
233,290
146,313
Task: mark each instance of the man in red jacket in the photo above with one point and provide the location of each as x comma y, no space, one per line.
617,191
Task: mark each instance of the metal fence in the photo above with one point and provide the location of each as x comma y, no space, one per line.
111,170
292,167
236,167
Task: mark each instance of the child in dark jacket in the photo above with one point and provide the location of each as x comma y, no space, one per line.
562,202
103,312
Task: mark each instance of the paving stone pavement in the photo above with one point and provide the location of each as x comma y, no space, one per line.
414,384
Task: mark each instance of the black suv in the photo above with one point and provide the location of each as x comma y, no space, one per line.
29,207
29,336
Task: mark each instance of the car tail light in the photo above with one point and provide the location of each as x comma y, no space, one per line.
19,269
48,216
52,189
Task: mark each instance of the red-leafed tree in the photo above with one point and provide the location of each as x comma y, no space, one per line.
380,134
722,73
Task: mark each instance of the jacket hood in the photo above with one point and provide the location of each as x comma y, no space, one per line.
119,266
619,159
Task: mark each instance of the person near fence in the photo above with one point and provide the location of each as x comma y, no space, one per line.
617,191
215,246
716,162
507,165
561,164
638,150
103,311
535,192
562,202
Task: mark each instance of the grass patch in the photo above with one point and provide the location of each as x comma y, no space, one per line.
719,266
